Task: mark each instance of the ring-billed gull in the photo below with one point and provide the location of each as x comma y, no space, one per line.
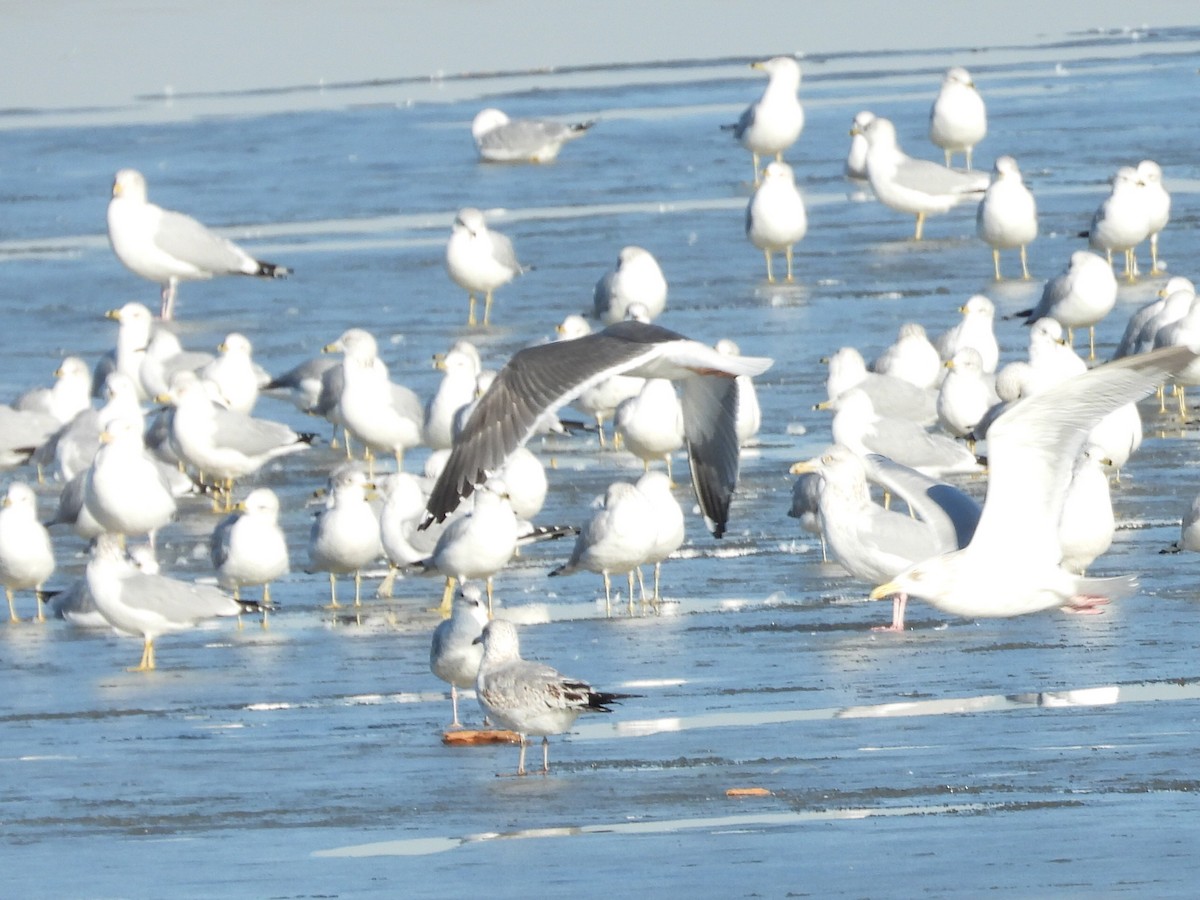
873,543
1158,205
77,605
150,605
966,394
615,540
669,527
135,324
221,443
501,139
912,357
1142,326
892,396
650,425
303,384
404,543
1052,360
1078,297
454,654
637,278
1184,333
344,537
1122,220
455,390
234,375
168,247
1013,564
67,397
22,432
806,509
248,547
479,260
478,544
1006,218
977,330
386,417
958,117
856,158
125,491
26,557
541,379
915,186
775,216
1086,526
771,125
528,697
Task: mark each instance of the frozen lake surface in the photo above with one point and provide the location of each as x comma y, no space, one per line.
1045,755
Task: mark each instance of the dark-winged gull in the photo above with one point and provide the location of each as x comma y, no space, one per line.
168,247
528,697
1013,564
541,379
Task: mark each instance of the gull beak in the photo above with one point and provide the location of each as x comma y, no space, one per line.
856,131
757,65
963,309
106,437
240,506
222,347
5,502
824,404
804,467
116,191
884,590
439,361
58,373
949,364
162,398
331,348
113,314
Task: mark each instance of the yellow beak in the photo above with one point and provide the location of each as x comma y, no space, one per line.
804,467
884,590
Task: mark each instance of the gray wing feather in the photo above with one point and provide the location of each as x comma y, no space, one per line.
184,238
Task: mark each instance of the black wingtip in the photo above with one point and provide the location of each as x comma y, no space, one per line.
272,270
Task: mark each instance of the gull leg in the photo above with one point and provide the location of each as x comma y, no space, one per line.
1091,342
1162,398
489,593
545,755
899,602
333,604
824,550
454,706
238,596
770,274
1154,269
266,604
920,226
657,573
521,758
487,307
996,262
385,586
1024,264
607,595
346,435
471,313
12,609
949,154
167,310
357,588
789,254
629,575
37,594
600,429
1180,392
448,597
754,159
968,152
669,476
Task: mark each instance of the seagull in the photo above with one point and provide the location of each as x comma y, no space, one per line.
637,278
1078,297
501,139
976,330
1122,220
67,397
541,379
669,529
1007,215
168,247
771,125
749,412
457,388
26,557
775,216
248,547
915,186
1012,565
1086,527
344,537
528,697
1189,531
958,118
650,425
856,159
479,260
912,357
234,375
125,490
454,653
150,605
1158,205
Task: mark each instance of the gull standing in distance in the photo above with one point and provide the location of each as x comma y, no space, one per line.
479,260
501,139
958,117
1007,215
771,125
637,278
916,186
775,216
168,247
26,556
1078,297
248,547
1158,205
856,158
1122,220
1013,564
527,697
454,654
541,379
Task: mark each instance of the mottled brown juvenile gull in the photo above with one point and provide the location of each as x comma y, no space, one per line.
168,247
501,139
1013,564
542,379
528,697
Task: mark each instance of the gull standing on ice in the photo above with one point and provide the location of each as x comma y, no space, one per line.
912,357
125,491
248,547
856,159
1007,215
1013,565
234,375
1078,297
501,139
344,537
958,117
637,278
775,216
915,186
479,260
1122,221
771,125
454,653
26,557
976,330
539,380
168,247
527,697
1158,205
651,424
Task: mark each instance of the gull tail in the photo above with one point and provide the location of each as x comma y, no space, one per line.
1117,588
579,128
271,270
534,534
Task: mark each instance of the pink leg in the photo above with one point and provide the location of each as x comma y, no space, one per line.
899,601
1085,605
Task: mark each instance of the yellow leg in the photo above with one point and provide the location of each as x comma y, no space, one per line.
1091,342
920,226
1024,264
996,262
789,254
447,597
471,313
12,609
37,593
333,604
147,662
389,581
489,595
754,159
487,307
770,274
